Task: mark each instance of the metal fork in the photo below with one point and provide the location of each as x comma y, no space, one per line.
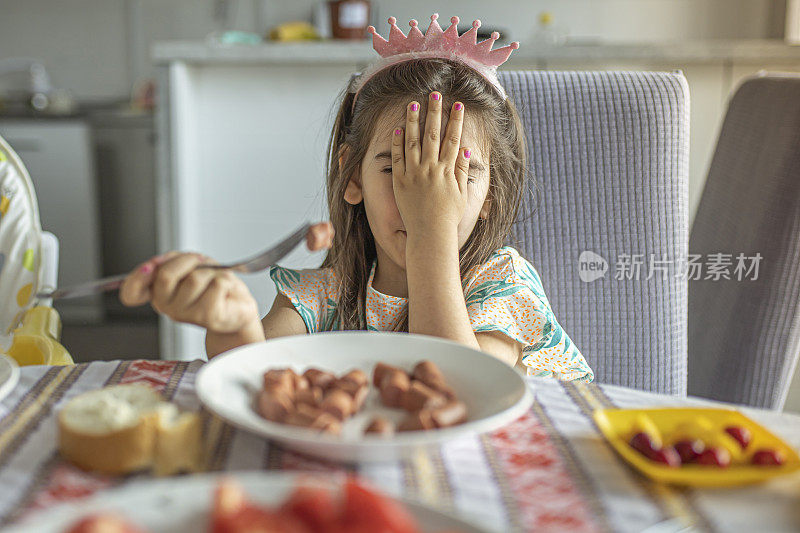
254,264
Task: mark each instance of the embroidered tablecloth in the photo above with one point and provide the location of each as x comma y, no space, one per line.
548,471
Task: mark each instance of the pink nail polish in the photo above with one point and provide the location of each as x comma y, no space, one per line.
458,106
398,131
436,96
414,107
146,268
466,154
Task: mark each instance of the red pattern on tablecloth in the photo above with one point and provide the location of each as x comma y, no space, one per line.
64,482
154,373
546,496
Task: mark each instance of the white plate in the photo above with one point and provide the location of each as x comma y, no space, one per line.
184,503
495,393
9,375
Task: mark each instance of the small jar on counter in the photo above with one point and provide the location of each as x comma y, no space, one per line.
349,18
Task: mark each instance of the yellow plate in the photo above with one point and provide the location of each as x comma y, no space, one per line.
616,426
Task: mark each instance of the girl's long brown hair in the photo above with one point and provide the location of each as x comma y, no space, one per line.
353,250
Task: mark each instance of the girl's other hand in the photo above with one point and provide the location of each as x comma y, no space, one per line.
430,184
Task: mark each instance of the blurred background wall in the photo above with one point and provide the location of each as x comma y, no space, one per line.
99,48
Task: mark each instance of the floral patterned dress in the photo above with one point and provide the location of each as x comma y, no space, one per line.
503,294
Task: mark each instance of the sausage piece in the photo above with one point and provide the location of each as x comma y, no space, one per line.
381,426
338,403
274,405
380,370
326,423
420,396
426,372
311,396
451,414
417,421
393,388
279,378
319,378
356,376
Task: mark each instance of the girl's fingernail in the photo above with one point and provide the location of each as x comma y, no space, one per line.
458,106
436,96
466,153
146,268
414,107
398,131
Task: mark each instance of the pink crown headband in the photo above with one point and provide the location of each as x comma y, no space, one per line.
437,43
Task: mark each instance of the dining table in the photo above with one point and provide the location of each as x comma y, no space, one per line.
548,470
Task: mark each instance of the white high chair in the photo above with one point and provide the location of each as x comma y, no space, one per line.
30,330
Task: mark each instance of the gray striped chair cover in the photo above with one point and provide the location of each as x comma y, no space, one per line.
744,336
609,155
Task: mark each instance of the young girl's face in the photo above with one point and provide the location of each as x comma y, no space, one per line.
375,186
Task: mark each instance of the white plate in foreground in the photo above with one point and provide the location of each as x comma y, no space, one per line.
9,375
495,393
178,505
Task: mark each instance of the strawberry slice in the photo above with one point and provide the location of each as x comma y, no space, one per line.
314,506
365,507
232,512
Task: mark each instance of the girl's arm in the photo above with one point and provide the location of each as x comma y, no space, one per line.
216,343
501,346
282,320
431,190
436,304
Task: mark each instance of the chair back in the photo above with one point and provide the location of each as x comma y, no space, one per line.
744,331
608,154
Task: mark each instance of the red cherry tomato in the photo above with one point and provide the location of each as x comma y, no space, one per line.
642,443
768,457
741,434
715,457
668,456
689,449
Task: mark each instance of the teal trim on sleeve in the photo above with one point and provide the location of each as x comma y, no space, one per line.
522,276
286,280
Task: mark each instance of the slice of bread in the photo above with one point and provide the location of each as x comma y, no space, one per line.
178,442
125,428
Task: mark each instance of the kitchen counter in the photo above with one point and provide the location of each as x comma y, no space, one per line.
327,52
115,111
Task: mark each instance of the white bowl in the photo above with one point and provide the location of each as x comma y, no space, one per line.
181,504
495,393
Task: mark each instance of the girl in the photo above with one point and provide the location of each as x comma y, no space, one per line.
426,166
